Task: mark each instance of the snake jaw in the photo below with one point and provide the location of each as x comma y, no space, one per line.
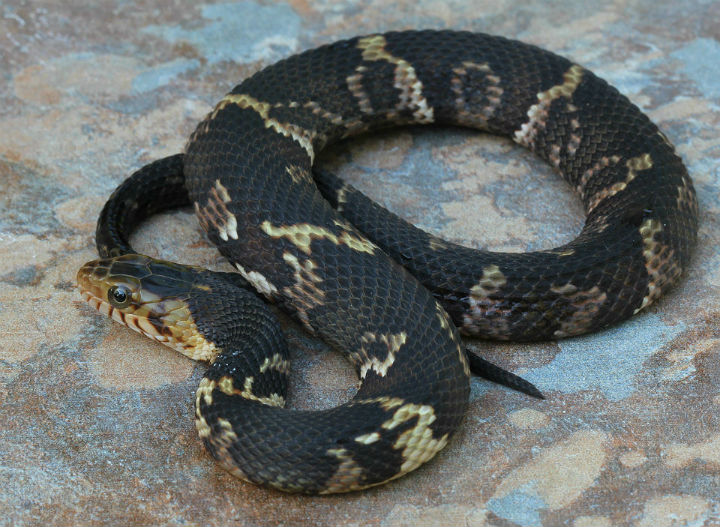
95,282
156,305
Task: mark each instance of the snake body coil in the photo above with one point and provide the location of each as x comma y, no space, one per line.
247,170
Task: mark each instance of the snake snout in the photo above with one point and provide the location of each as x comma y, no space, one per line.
101,282
116,293
149,296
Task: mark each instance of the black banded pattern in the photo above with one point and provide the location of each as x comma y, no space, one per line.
248,172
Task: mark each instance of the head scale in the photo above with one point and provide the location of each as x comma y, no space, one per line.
149,296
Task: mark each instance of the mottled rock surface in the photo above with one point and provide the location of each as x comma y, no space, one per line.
95,421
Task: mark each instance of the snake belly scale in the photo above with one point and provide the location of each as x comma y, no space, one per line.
247,169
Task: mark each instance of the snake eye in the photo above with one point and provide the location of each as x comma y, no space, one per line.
119,296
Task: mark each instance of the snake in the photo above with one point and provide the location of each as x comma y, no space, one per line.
390,297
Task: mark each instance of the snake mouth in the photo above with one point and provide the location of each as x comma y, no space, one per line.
154,301
92,293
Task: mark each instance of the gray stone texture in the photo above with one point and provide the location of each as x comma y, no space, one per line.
96,422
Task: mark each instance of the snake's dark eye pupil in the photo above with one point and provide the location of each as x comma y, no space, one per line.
118,295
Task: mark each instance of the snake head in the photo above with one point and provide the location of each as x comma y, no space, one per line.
147,295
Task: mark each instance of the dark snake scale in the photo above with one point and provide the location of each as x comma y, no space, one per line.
344,267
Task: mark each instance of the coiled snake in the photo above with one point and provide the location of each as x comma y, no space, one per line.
247,171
